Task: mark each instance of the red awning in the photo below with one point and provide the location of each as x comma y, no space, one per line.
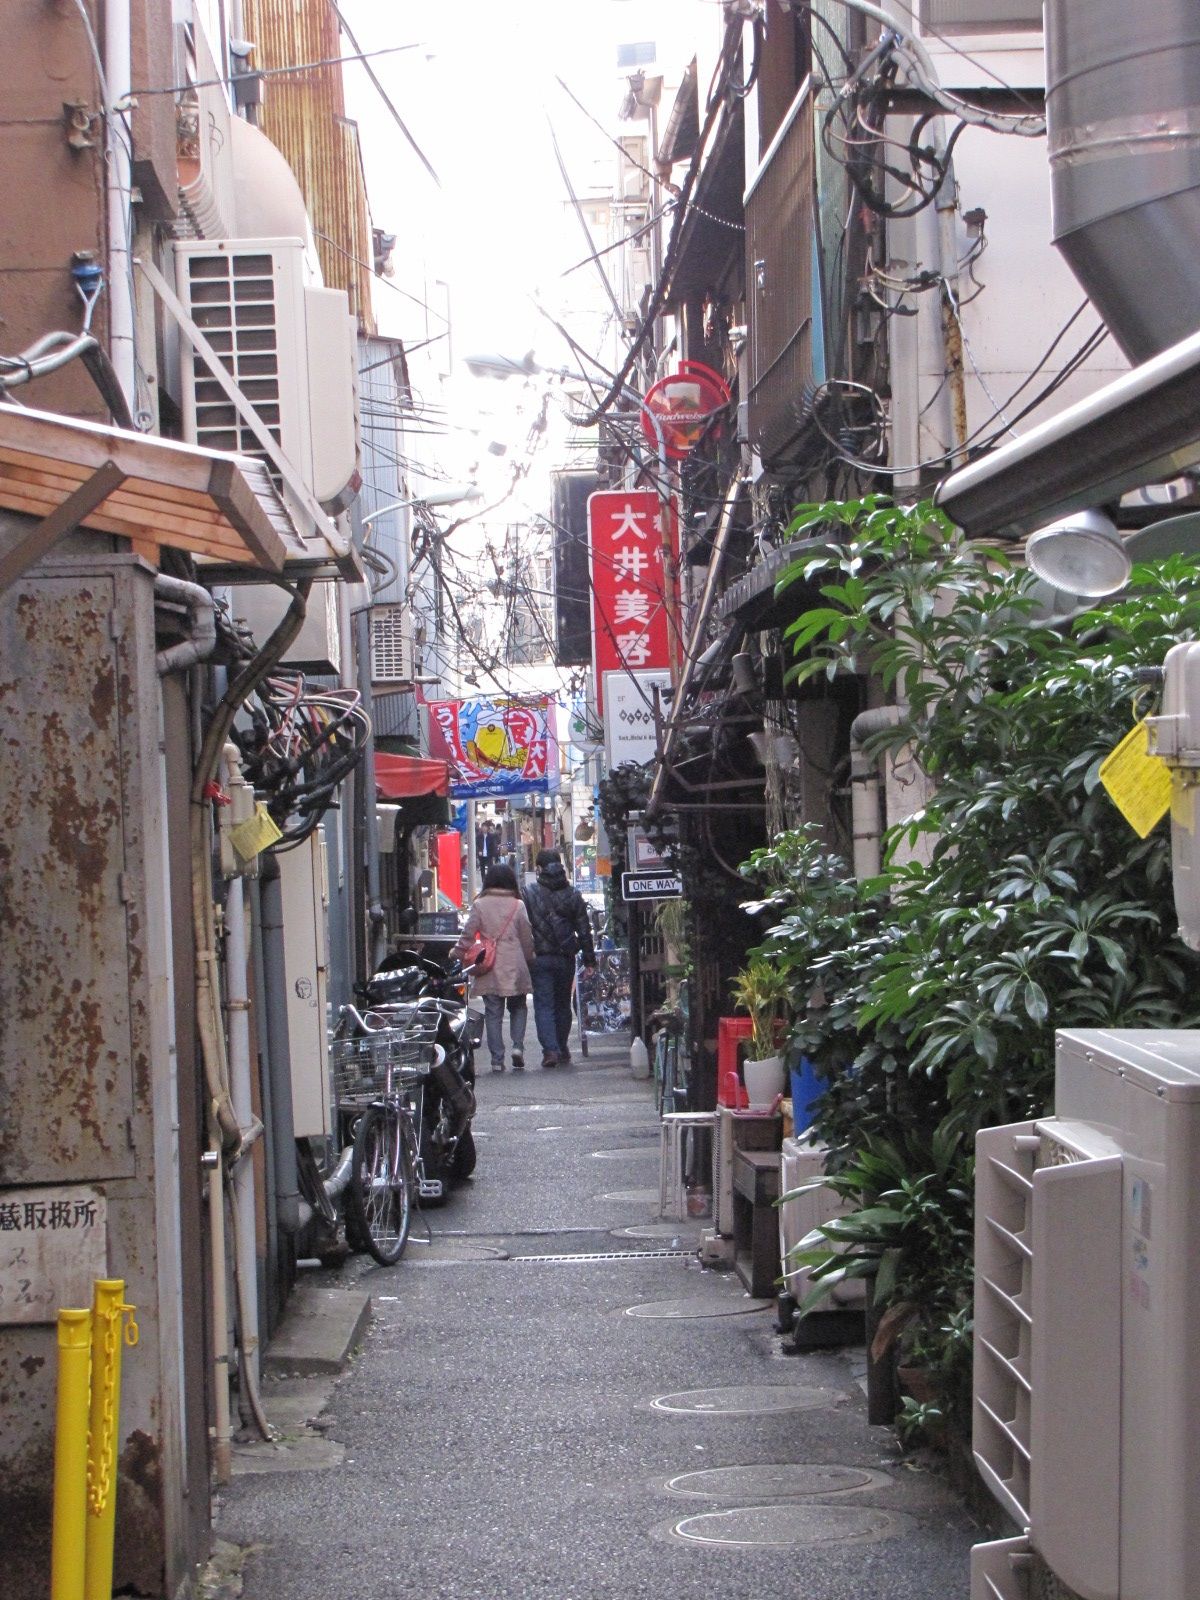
402,777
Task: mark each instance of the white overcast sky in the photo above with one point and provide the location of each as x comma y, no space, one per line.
479,95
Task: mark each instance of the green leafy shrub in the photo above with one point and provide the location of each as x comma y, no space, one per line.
928,997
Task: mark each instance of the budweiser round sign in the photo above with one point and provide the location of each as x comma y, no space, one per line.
687,405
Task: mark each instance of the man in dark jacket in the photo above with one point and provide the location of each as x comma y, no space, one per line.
561,929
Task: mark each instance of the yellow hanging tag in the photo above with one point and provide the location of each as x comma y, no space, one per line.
1138,784
256,834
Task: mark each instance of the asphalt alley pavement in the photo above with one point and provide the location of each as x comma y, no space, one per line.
554,1401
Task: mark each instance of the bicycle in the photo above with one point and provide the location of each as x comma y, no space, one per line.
379,1081
670,1082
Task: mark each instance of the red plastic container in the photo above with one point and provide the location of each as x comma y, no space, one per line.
731,1031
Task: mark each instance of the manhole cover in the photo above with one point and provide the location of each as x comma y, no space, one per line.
790,1525
787,1481
640,1150
694,1306
632,1197
746,1400
658,1230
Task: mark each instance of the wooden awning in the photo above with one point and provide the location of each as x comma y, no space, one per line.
151,491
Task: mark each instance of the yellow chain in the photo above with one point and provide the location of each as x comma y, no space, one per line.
99,1468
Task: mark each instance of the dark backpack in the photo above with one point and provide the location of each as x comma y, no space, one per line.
550,911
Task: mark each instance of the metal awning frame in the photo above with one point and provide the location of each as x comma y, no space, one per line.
1142,428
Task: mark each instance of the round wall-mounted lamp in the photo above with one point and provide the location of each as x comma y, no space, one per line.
1083,554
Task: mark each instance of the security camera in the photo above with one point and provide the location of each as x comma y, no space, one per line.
241,48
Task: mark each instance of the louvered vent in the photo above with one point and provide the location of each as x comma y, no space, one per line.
1006,1159
391,644
232,300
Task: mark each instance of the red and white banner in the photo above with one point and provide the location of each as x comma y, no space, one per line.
630,630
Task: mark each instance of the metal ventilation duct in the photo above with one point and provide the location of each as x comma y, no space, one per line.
1123,109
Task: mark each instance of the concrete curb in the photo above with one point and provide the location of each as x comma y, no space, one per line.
319,1330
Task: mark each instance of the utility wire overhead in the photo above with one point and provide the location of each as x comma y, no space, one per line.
583,222
276,72
383,94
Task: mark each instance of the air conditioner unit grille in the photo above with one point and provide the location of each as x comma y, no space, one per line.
1005,1314
232,298
391,644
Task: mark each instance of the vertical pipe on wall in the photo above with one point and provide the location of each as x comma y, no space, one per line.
376,915
237,1006
118,68
262,1034
287,1183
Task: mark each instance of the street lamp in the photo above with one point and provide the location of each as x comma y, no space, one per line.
1084,554
451,495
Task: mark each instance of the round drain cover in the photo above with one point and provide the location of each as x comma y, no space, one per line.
699,1305
746,1400
791,1525
783,1482
633,1197
641,1150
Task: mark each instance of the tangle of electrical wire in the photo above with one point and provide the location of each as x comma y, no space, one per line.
300,744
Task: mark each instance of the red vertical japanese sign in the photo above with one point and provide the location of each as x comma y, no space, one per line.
630,618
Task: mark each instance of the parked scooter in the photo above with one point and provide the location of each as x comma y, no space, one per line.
435,995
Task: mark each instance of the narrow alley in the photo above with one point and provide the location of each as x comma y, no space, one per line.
554,1399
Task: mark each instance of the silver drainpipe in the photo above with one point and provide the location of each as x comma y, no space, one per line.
1123,116
866,791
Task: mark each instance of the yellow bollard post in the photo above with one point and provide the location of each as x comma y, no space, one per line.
108,1308
70,1456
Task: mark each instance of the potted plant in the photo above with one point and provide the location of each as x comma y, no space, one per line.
761,988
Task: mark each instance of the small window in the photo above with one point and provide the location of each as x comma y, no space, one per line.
981,16
637,55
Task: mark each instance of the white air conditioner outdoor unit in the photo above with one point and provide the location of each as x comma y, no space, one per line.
801,1162
1087,1326
290,347
391,645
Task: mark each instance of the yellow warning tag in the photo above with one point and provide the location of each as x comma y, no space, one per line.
1138,784
256,834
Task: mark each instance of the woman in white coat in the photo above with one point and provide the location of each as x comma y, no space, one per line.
499,913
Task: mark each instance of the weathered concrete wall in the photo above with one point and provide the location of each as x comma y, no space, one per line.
53,193
86,1080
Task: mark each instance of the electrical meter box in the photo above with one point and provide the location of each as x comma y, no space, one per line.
305,906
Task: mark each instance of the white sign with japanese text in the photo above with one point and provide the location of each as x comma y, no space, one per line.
53,1245
629,716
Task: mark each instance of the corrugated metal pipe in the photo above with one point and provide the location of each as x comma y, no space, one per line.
1123,117
202,618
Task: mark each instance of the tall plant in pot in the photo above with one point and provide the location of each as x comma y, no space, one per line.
761,989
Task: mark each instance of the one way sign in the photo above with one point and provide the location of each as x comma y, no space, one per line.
651,886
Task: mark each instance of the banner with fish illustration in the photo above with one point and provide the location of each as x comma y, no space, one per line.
495,746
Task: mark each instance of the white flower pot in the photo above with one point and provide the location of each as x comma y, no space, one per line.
764,1081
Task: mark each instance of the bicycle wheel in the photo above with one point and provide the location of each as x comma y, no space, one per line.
660,1066
382,1183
